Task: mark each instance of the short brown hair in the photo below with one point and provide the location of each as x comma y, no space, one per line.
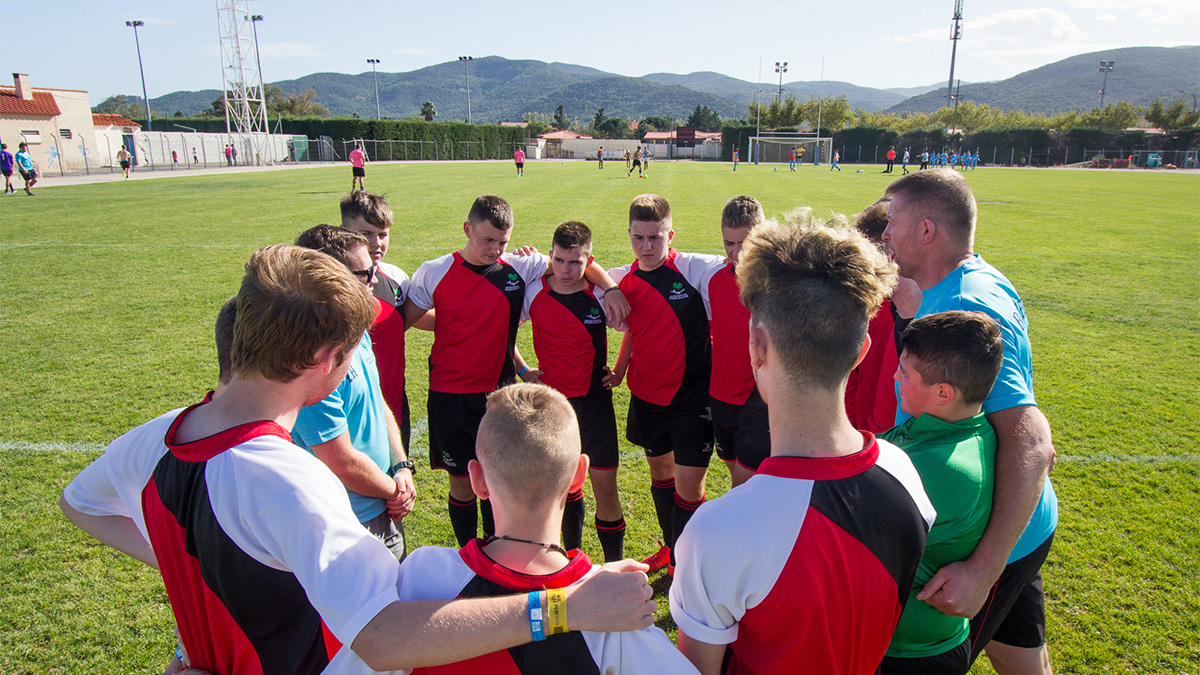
964,349
369,206
334,241
293,302
528,442
224,338
572,233
491,209
813,288
649,208
873,220
742,212
941,195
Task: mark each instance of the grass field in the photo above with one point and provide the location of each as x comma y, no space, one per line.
110,291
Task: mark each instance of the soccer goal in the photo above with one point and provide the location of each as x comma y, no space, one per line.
778,148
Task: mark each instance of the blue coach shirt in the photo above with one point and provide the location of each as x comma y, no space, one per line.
976,286
357,407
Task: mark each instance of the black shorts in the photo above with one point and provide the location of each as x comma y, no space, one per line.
742,432
685,430
597,428
404,421
7,173
1015,610
28,175
124,164
636,163
520,165
953,661
359,171
453,423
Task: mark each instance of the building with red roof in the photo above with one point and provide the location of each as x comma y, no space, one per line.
55,123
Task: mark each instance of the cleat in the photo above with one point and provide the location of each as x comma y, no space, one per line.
659,559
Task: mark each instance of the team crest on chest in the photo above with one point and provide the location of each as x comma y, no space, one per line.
593,317
678,292
513,283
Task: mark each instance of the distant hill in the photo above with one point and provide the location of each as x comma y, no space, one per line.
908,92
626,97
1140,75
743,92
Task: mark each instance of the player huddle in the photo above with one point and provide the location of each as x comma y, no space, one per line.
835,551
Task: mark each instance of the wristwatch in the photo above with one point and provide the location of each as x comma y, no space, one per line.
406,464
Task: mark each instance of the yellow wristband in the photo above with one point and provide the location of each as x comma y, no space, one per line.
556,611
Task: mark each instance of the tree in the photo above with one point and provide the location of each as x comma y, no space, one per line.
704,119
304,105
657,123
428,111
1113,117
560,118
536,124
1173,116
124,106
612,127
598,120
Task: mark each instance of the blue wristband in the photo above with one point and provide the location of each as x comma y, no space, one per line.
535,616
523,369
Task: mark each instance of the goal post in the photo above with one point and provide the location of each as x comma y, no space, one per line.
777,149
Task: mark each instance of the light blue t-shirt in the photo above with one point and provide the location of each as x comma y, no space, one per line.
357,407
25,161
976,286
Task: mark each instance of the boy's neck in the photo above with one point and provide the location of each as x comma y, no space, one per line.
558,286
812,424
954,412
253,399
523,557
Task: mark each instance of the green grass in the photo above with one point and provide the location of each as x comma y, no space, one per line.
110,291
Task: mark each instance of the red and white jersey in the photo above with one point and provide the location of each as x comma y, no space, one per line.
266,567
732,377
672,350
478,312
387,333
835,542
569,336
431,573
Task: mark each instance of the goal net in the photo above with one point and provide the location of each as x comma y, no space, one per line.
771,149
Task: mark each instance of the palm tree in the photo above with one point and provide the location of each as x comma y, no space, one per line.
428,111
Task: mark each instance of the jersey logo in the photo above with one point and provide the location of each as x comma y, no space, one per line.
513,283
593,317
677,292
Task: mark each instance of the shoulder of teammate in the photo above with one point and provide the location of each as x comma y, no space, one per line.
433,573
426,278
530,267
532,290
619,273
698,268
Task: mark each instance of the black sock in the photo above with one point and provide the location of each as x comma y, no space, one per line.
572,521
612,538
489,524
663,492
680,516
464,519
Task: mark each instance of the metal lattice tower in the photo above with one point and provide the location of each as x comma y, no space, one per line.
955,36
245,108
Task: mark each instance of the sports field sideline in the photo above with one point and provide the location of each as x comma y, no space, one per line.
111,290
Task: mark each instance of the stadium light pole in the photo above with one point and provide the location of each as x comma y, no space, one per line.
134,25
467,76
373,63
262,89
1106,68
780,68
955,36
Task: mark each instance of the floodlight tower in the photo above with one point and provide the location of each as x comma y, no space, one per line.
467,76
245,109
1106,68
135,25
955,36
780,68
375,62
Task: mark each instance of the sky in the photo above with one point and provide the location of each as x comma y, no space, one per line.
78,44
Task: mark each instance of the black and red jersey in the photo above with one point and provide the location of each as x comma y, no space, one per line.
672,351
387,333
431,573
478,312
569,336
836,544
732,378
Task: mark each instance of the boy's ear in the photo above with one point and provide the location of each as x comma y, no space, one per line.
467,228
327,358
758,346
946,393
862,353
581,473
591,259
478,481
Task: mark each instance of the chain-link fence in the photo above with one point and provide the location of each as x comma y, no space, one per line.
185,151
384,150
1040,157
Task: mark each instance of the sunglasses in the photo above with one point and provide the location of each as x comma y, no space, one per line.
367,274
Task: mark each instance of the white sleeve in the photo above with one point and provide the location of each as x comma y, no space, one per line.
397,275
266,491
530,267
618,273
426,279
433,573
531,291
699,269
641,651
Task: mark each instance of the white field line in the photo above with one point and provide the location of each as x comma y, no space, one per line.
420,448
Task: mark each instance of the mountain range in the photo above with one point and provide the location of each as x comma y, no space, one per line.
504,89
